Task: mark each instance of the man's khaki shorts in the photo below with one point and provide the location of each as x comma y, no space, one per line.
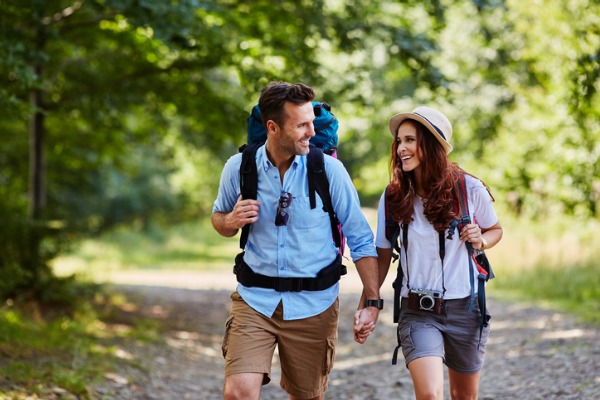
306,346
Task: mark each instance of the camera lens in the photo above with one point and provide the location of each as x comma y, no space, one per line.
426,302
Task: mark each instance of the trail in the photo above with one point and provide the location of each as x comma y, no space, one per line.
532,353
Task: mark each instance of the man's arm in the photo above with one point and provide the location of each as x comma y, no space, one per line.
366,317
244,212
384,258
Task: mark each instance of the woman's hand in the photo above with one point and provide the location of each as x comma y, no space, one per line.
472,233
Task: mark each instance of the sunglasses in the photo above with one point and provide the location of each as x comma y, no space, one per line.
282,217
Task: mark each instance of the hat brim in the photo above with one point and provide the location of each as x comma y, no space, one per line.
397,119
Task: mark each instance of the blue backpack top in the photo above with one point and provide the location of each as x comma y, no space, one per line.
326,128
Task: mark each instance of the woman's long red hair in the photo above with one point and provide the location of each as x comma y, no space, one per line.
439,176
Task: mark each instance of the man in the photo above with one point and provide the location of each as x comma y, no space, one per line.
288,239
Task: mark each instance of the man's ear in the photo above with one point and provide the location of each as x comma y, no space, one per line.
272,127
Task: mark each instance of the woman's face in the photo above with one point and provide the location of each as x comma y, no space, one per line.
409,154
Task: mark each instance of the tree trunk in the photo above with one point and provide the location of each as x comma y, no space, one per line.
37,171
37,168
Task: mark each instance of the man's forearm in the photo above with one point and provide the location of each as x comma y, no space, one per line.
369,275
220,223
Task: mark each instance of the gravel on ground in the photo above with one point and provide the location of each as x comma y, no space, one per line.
533,353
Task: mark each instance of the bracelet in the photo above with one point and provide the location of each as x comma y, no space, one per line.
484,243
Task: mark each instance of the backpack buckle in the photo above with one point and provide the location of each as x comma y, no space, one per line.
452,228
288,285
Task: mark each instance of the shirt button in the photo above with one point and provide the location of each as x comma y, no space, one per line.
282,245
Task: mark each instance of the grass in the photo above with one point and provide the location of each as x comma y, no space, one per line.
575,289
193,246
50,353
554,263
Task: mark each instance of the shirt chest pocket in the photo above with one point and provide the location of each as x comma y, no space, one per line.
303,217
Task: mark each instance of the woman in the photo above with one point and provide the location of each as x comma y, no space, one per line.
436,325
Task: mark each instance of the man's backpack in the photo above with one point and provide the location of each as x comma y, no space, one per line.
325,141
392,233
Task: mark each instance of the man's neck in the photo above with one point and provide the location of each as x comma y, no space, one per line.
281,161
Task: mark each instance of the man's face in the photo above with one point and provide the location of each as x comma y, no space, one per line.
297,128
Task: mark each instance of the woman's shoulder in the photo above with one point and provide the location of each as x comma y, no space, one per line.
473,182
476,188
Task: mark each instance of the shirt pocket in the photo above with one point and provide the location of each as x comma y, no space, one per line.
303,217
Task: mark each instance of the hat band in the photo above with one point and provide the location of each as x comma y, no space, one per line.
434,127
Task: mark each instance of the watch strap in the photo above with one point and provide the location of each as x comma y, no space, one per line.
374,303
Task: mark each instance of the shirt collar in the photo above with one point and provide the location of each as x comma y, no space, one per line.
266,163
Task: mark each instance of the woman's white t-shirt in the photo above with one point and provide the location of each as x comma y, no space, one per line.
423,258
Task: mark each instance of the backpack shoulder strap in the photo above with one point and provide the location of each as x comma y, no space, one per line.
392,233
392,228
318,182
317,176
248,182
481,262
462,195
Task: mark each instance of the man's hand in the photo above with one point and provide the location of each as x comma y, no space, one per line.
244,212
364,323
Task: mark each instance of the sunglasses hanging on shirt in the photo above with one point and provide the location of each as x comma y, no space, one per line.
282,217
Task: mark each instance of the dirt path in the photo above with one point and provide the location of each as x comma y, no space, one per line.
532,353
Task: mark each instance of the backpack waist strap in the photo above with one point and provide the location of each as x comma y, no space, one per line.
326,277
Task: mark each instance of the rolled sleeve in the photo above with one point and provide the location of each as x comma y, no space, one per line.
229,187
346,204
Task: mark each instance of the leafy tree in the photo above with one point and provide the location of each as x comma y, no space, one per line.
122,111
114,97
522,92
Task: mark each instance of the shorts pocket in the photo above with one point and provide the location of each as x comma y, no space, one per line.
330,356
404,334
225,344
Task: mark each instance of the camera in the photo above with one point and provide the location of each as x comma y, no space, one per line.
427,300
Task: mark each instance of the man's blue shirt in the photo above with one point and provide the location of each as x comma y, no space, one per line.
304,246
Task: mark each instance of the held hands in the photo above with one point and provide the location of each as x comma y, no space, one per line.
472,233
244,212
364,323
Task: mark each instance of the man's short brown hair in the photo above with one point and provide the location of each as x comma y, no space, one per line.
275,94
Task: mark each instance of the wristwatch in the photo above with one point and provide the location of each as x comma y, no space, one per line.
374,303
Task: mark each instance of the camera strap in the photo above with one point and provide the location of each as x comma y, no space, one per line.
442,253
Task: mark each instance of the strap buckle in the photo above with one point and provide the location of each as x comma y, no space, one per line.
288,284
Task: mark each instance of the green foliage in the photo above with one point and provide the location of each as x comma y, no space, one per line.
525,114
69,349
574,289
553,263
191,247
142,102
138,100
